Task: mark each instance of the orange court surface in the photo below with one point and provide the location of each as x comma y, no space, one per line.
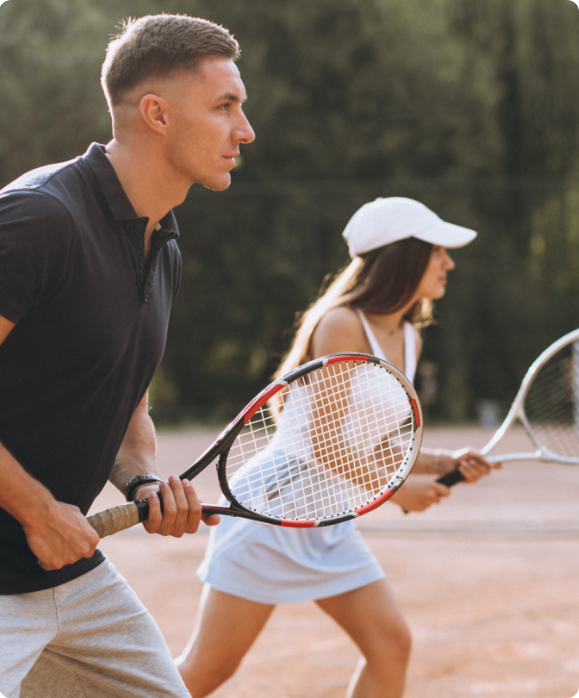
488,581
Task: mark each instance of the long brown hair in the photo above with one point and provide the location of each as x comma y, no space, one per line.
381,281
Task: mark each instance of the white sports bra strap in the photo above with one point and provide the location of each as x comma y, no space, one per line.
409,351
376,348
409,345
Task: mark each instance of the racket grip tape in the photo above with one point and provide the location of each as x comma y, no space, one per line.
451,478
105,523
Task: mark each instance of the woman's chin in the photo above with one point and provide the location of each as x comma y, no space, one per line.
438,295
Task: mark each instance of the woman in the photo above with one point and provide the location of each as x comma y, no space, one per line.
375,305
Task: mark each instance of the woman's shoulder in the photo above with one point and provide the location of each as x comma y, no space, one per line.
340,329
342,318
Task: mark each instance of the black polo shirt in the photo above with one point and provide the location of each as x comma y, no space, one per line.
91,323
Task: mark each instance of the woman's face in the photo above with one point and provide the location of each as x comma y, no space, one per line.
433,283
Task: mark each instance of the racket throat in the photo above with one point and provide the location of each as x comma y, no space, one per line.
228,510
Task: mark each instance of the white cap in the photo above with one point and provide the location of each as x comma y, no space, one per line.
384,221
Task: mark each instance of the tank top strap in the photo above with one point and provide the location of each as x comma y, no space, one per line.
410,339
372,341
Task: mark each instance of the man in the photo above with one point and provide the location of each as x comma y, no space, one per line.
89,269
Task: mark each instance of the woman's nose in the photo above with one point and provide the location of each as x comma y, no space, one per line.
448,261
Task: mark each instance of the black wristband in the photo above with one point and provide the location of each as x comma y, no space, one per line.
137,481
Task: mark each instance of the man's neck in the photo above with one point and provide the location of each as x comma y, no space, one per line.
148,186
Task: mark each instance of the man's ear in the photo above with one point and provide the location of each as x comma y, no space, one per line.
154,112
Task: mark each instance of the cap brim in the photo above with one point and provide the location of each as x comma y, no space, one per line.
447,235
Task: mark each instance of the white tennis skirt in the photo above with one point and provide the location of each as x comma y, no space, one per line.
273,564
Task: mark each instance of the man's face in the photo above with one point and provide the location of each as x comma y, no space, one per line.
207,123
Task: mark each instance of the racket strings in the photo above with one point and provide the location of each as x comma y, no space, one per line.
552,403
343,435
370,422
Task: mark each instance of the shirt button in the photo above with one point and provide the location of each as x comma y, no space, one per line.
140,227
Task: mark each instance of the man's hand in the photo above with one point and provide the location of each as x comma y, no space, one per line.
61,537
181,508
418,493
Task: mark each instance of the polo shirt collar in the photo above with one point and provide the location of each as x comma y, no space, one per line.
115,196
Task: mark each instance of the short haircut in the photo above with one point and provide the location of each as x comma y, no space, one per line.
160,46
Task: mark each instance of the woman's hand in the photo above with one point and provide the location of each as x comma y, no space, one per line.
418,493
471,464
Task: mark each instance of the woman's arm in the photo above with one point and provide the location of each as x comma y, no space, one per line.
440,461
418,493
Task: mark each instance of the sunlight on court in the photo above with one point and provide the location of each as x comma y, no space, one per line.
487,581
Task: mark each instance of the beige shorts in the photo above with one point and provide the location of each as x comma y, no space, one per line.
89,638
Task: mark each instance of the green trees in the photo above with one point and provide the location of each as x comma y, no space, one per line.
526,204
469,107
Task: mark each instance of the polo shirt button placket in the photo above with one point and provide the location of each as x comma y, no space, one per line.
140,231
137,236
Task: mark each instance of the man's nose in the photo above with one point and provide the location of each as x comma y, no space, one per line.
245,134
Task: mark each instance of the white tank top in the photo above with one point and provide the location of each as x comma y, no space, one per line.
409,346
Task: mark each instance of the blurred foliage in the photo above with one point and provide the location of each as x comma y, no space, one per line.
469,107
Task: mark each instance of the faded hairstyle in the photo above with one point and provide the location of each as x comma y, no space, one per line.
160,46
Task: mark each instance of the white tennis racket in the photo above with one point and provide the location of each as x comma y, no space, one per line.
347,437
547,405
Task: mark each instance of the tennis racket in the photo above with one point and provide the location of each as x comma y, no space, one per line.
547,405
330,441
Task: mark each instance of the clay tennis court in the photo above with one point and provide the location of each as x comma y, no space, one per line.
489,582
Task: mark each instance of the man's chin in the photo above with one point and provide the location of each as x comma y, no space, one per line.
218,184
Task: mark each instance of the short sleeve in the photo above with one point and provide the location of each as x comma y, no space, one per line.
35,234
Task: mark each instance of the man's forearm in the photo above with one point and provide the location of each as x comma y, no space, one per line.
57,533
22,496
137,454
181,510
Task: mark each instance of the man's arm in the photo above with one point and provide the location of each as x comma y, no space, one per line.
5,328
137,454
181,507
57,533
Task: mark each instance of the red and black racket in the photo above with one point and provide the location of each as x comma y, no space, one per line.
330,441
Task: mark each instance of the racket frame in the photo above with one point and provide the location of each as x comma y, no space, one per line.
139,510
225,440
517,412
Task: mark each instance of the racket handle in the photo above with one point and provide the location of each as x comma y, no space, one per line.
105,523
451,478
